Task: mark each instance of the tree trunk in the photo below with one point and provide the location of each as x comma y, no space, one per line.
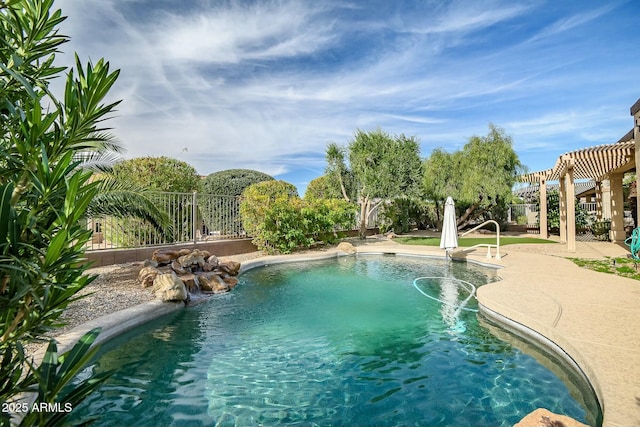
462,221
364,216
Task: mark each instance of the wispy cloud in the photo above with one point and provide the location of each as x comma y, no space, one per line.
261,31
265,85
565,24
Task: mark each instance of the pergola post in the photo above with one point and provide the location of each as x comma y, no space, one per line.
570,189
542,214
599,200
617,233
563,210
635,112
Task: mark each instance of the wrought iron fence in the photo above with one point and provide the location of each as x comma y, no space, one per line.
527,213
523,214
194,218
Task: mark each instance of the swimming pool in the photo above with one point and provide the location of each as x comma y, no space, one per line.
347,341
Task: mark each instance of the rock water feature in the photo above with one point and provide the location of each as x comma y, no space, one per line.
178,275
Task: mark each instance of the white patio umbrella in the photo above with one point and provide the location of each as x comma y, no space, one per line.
449,238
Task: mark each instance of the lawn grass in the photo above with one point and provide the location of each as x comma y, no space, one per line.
466,242
624,267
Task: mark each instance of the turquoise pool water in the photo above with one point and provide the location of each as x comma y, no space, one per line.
337,342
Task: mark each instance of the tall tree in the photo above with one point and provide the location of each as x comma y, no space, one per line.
440,171
340,174
383,166
479,177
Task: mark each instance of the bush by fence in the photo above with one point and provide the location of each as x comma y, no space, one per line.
207,217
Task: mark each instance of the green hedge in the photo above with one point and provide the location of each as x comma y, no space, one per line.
280,222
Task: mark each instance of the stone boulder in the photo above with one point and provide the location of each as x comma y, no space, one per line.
147,275
164,256
212,283
211,263
169,287
231,281
183,252
544,418
346,247
232,268
178,268
150,263
192,259
191,281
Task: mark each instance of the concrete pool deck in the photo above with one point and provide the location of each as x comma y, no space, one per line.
593,317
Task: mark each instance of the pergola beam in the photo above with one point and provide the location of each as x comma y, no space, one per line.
597,163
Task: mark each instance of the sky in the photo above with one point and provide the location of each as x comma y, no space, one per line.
266,85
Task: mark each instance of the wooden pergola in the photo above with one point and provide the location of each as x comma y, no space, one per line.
599,163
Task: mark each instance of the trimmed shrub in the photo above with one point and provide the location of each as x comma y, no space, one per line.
258,198
280,222
224,214
323,187
156,174
159,174
232,182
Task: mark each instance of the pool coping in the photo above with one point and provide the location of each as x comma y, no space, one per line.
512,319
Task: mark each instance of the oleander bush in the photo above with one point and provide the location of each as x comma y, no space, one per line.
45,191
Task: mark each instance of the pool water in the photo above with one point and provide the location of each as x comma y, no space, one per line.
339,342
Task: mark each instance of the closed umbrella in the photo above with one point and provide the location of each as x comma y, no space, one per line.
449,238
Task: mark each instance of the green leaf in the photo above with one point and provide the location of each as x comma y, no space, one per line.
55,247
77,356
47,370
6,191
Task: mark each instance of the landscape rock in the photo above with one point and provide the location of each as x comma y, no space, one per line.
147,275
178,268
191,282
211,263
346,247
183,252
169,287
230,267
192,259
544,418
176,274
164,256
231,281
212,283
150,263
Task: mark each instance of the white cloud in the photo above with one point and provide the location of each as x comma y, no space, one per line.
265,30
568,23
264,85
